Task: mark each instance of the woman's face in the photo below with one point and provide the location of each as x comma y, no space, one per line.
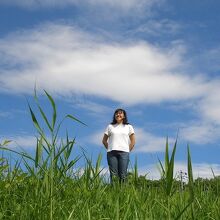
119,116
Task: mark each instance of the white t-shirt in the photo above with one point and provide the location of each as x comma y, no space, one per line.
119,136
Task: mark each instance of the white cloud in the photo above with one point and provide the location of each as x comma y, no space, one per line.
202,170
124,5
64,60
11,113
92,107
208,61
200,132
4,114
23,142
39,3
96,138
210,104
158,27
211,59
147,142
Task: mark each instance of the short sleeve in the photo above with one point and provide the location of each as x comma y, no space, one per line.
131,130
107,131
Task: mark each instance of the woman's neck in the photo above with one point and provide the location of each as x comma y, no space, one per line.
119,122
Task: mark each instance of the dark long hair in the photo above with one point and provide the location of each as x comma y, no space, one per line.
125,120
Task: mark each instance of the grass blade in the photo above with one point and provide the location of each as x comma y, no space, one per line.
166,156
54,108
45,118
190,175
169,176
75,119
36,124
39,150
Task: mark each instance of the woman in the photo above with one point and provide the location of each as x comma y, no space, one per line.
119,140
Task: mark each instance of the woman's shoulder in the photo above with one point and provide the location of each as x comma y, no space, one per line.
129,125
110,125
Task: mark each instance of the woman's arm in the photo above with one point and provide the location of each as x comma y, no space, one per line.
132,139
105,141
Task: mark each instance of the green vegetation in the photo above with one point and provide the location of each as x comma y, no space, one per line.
48,185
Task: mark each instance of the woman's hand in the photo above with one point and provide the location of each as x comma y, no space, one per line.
132,139
105,141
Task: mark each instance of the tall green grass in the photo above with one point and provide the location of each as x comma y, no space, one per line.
48,184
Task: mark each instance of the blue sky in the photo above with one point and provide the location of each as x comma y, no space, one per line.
157,59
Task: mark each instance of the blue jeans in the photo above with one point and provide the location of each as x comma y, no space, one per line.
118,164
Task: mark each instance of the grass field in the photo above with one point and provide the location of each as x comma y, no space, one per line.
48,185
